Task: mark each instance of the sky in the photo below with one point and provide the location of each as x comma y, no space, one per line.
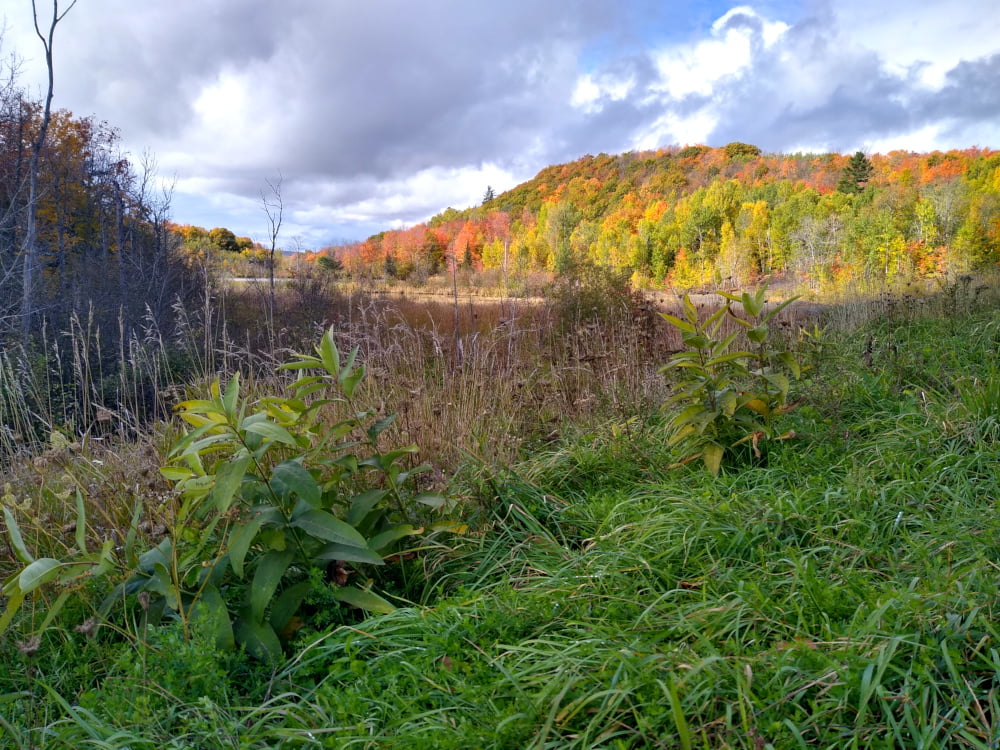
379,114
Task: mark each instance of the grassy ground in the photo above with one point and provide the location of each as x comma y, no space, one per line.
839,591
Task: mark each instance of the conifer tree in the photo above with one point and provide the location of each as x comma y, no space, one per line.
856,175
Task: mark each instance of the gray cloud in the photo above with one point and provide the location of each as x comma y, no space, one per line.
385,109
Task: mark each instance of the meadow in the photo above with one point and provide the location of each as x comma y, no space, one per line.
581,584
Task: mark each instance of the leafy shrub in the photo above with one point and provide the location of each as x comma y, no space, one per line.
728,397
270,493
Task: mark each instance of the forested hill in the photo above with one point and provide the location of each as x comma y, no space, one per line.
698,215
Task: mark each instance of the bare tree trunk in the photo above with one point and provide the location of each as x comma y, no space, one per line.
30,251
274,208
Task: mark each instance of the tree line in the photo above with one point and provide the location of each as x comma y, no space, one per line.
700,216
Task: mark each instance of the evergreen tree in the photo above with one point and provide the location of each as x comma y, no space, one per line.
856,176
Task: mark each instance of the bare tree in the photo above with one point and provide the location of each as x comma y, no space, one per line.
273,208
30,251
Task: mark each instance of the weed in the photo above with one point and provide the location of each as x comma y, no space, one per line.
728,397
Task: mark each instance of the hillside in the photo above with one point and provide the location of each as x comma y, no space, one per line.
700,216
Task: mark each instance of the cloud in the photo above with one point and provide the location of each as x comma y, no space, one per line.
385,112
812,86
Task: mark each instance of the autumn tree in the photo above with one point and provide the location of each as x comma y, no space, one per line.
224,240
741,151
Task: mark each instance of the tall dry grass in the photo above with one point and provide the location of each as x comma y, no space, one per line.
466,376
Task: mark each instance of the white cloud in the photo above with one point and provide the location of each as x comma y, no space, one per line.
923,139
928,38
673,128
696,68
592,92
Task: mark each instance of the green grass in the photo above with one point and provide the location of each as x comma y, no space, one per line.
843,590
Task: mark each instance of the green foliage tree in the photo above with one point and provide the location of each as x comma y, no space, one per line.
330,265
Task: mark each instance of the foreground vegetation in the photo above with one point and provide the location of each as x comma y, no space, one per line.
838,590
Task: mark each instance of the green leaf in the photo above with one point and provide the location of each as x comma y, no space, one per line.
209,612
711,454
728,401
228,478
329,354
231,396
695,340
274,538
753,305
322,525
308,390
349,364
682,325
337,551
351,382
306,380
40,572
689,312
292,478
240,541
181,447
270,570
688,415
788,359
779,381
362,504
722,346
117,595
779,307
387,537
14,601
271,431
258,638
203,407
14,532
380,426
757,334
160,583
729,357
430,500
287,604
738,320
365,600
176,473
680,435
199,446
715,319
304,362
81,523
161,553
106,561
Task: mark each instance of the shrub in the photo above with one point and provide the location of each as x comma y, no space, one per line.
270,493
728,397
